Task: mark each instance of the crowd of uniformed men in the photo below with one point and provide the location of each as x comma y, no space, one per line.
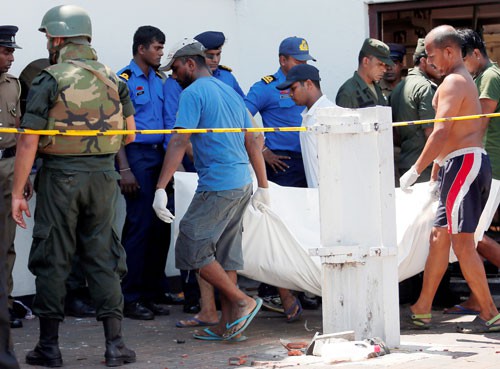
76,184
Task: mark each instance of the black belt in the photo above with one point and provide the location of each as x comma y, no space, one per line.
8,152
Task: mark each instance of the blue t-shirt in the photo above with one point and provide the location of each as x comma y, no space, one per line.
146,94
220,159
277,110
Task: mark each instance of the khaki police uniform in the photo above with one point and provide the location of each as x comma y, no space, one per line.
10,92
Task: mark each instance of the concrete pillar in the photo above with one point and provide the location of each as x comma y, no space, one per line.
358,223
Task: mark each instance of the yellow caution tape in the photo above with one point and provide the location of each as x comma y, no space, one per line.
69,132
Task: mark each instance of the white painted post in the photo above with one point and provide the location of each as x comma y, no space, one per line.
358,223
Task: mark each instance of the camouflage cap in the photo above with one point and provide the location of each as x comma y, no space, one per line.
377,49
420,48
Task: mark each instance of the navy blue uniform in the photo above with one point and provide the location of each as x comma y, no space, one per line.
145,237
279,110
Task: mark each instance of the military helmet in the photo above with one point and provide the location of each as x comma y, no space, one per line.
66,21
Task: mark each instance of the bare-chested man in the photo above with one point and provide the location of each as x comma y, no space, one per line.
463,171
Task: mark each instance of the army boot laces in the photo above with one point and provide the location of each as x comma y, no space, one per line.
46,353
117,354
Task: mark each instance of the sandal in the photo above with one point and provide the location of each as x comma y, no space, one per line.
479,325
417,320
290,315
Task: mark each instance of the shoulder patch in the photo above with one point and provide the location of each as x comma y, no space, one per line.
125,74
268,79
223,67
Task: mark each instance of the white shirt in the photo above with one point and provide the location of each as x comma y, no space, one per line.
308,141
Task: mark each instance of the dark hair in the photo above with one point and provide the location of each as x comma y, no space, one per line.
470,41
198,59
146,35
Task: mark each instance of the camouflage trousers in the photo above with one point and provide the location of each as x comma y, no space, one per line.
74,214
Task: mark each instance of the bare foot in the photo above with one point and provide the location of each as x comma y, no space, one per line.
242,316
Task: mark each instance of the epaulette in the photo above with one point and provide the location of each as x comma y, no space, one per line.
223,67
18,83
160,74
268,79
126,74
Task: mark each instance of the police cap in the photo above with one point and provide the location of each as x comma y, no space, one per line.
7,36
398,51
296,47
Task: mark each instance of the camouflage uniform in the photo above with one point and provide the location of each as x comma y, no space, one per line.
77,184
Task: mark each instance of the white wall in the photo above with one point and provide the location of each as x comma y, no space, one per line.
335,30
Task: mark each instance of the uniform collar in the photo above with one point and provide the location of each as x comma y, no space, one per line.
138,71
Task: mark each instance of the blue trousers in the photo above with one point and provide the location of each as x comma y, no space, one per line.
145,237
294,175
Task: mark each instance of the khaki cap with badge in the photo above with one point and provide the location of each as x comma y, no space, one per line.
377,49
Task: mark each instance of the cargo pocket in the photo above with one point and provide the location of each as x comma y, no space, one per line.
117,250
39,258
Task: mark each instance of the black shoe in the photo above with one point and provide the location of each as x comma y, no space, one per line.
136,310
191,308
310,303
14,321
79,308
157,309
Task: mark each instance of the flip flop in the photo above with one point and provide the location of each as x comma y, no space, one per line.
478,325
291,309
460,310
247,319
211,336
193,322
416,320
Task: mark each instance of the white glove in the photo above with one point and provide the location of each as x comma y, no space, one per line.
434,190
260,198
160,206
408,179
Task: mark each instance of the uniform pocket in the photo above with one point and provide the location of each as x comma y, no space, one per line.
40,254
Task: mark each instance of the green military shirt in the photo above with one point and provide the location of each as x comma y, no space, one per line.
41,98
355,93
412,100
488,85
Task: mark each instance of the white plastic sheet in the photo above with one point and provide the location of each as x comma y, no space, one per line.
276,244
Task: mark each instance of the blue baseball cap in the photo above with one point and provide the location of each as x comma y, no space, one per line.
211,39
296,47
301,72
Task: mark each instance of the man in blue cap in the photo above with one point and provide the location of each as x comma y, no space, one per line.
213,42
10,91
10,112
394,74
281,150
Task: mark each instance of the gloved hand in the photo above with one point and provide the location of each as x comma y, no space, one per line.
160,206
408,179
434,190
260,198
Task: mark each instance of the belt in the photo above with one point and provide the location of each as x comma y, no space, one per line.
145,146
8,152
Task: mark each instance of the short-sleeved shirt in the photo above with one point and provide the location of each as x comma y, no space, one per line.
146,93
488,85
412,100
355,93
171,93
220,159
277,110
224,74
10,110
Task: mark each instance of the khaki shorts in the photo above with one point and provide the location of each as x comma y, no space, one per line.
212,230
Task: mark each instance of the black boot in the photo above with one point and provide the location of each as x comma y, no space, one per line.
117,353
46,352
